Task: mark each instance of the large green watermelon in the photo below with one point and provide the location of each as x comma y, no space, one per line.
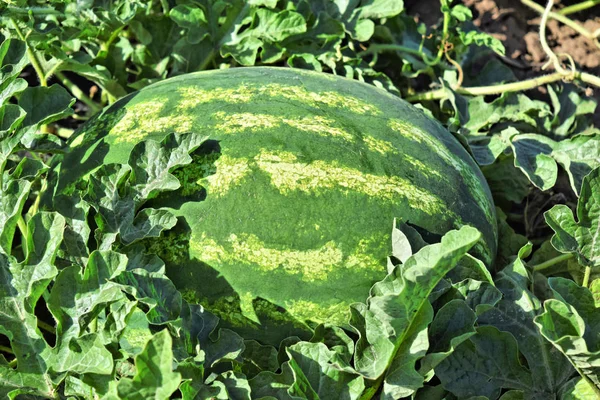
296,196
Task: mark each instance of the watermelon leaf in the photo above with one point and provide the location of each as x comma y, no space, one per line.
21,286
515,313
313,371
483,364
571,322
156,291
12,199
453,324
397,313
117,192
581,237
537,156
45,104
578,388
318,373
78,296
154,377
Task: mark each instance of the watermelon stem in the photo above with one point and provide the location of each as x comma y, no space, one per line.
6,349
225,33
560,17
445,26
46,326
584,5
35,62
586,276
553,261
527,84
77,92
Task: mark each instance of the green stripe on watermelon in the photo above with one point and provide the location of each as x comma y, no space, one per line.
298,205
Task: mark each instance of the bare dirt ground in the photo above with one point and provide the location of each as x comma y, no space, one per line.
517,26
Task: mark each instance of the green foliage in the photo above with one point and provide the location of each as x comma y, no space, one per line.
397,312
154,377
581,237
86,308
540,137
571,322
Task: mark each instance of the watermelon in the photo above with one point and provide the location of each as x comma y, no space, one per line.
286,213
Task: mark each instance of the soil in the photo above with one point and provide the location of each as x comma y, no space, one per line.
517,26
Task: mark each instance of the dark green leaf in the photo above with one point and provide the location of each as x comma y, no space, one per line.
21,286
581,237
398,302
533,157
453,324
537,156
155,290
508,107
154,377
571,322
12,88
45,104
12,199
78,296
483,365
568,106
258,358
317,376
191,18
515,313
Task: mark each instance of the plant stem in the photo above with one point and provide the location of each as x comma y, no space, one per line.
528,84
589,78
22,226
77,92
552,58
104,47
584,5
46,326
6,349
459,70
35,62
36,204
376,48
553,261
207,60
369,392
165,6
445,26
232,22
586,276
487,90
561,18
36,11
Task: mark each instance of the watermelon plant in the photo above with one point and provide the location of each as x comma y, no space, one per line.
286,204
175,226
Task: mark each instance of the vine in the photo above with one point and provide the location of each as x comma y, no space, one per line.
560,74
